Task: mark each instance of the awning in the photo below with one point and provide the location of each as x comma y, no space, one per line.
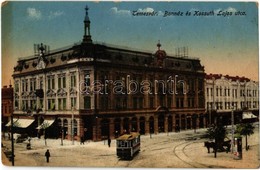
23,123
45,124
248,115
9,123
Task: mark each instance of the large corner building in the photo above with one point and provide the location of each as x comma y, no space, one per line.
97,91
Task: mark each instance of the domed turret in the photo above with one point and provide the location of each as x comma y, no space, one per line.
160,55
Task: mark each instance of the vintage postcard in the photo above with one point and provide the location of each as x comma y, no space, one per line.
156,84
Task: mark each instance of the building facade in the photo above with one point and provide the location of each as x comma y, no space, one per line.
225,94
7,105
98,91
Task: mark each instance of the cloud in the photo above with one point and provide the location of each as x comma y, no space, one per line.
55,14
123,12
216,11
34,13
229,9
148,9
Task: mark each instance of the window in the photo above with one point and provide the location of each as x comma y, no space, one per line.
73,101
191,85
201,82
162,100
151,102
201,102
208,105
41,82
220,105
73,80
135,103
51,104
242,93
169,102
33,104
32,84
24,85
62,104
182,103
25,105
104,103
87,102
61,81
51,82
124,103
87,79
191,102
177,102
16,86
16,103
140,102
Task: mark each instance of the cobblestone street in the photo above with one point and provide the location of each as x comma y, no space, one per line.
173,150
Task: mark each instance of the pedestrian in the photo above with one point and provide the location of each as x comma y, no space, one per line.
82,140
116,134
29,140
38,135
47,155
109,142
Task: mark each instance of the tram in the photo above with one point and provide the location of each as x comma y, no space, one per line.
128,145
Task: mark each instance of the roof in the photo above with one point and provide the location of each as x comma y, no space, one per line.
128,136
104,53
233,78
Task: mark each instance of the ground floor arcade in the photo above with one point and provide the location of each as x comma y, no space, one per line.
104,126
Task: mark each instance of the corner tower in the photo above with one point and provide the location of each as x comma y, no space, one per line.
87,36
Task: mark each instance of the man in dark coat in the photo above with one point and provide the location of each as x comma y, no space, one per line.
109,142
47,155
82,140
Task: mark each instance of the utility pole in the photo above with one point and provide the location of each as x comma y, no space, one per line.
12,136
12,132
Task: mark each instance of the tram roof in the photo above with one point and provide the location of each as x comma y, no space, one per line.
128,136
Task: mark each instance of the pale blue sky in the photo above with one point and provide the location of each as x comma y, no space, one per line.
227,45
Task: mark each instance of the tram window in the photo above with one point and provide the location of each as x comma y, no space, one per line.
122,144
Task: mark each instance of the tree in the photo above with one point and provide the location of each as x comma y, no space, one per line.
218,133
44,126
245,129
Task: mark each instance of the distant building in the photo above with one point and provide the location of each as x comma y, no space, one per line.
7,105
225,93
94,85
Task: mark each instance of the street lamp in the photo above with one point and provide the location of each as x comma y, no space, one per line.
72,125
232,130
62,135
96,127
